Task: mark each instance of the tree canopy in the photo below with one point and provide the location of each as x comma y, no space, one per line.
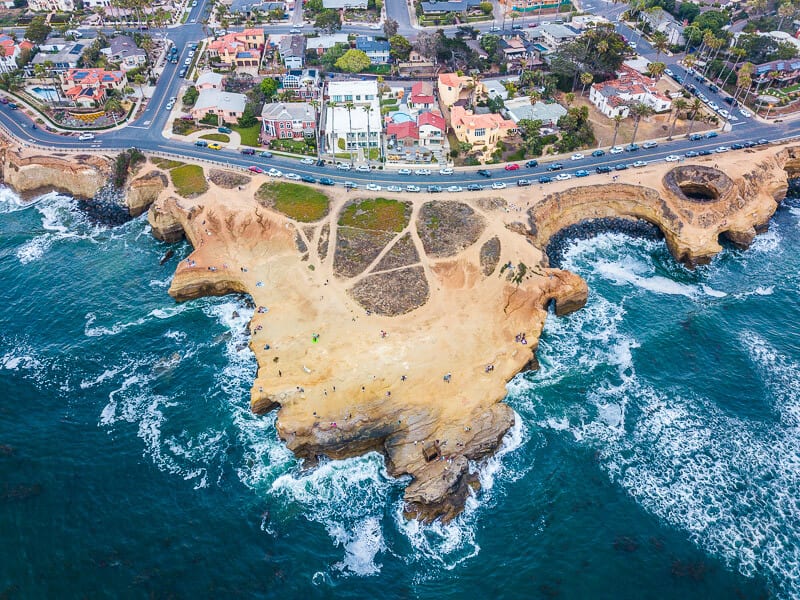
328,20
37,31
599,51
269,87
713,20
353,61
399,47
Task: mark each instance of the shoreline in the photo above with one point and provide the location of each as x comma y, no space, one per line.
464,287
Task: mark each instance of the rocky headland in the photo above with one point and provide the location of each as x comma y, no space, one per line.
392,324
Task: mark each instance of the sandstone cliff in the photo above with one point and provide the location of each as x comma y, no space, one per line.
80,176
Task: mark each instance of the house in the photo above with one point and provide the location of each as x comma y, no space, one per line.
209,81
10,51
228,106
323,43
416,65
479,130
357,128
786,72
441,8
51,5
514,50
495,89
248,8
239,49
554,34
584,22
124,52
292,49
660,20
345,4
431,127
403,135
304,83
376,50
548,114
421,97
57,62
89,87
288,120
615,97
53,44
453,87
526,6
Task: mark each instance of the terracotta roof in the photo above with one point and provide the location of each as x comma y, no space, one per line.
460,116
431,118
403,130
452,79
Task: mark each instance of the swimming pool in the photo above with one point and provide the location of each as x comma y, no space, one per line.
48,94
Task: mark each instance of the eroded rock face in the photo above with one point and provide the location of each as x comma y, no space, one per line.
144,190
80,176
163,221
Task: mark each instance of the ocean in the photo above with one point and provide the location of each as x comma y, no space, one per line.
656,452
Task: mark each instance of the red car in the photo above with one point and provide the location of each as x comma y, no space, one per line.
512,167
255,169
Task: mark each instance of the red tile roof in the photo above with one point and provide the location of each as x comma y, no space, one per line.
403,130
431,118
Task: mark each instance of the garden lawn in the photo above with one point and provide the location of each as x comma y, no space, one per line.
378,214
249,134
216,137
189,180
299,202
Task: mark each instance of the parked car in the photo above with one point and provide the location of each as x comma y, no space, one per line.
434,189
563,177
691,154
13,106
669,72
484,173
523,182
498,185
404,172
255,169
749,144
577,156
648,145
307,179
224,129
307,161
343,166
394,188
265,154
555,167
214,146
603,169
511,167
292,176
762,141
617,150
737,146
581,173
474,187
745,113
704,153
84,136
201,143
620,167
545,179
373,187
631,147
446,171
454,188
422,172
721,149
696,136
274,173
672,158
362,169
711,134
640,163
350,185
248,151
412,188
531,164
320,163
597,153
326,181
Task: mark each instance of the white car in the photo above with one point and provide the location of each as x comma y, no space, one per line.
672,158
362,168
563,176
733,118
307,161
446,171
713,106
394,188
669,72
343,166
498,185
577,156
274,173
745,113
640,163
292,176
404,172
616,150
455,188
422,172
721,149
724,113
187,62
169,105
412,188
86,136
191,53
373,187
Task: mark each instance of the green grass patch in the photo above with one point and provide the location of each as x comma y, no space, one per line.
294,146
216,137
299,202
182,127
378,214
249,135
166,163
189,180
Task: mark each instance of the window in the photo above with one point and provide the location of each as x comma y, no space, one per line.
480,132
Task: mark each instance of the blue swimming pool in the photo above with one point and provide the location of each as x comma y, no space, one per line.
48,94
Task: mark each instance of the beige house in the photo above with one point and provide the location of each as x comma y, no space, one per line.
209,81
453,88
228,106
479,130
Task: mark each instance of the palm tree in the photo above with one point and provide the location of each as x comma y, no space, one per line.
332,106
785,11
757,5
678,105
695,108
618,119
656,69
639,111
569,98
586,79
744,79
660,42
315,107
368,109
349,106
739,53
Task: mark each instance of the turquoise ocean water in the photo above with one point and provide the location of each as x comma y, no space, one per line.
656,454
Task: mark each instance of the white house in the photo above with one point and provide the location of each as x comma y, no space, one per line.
616,96
51,5
340,4
359,127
